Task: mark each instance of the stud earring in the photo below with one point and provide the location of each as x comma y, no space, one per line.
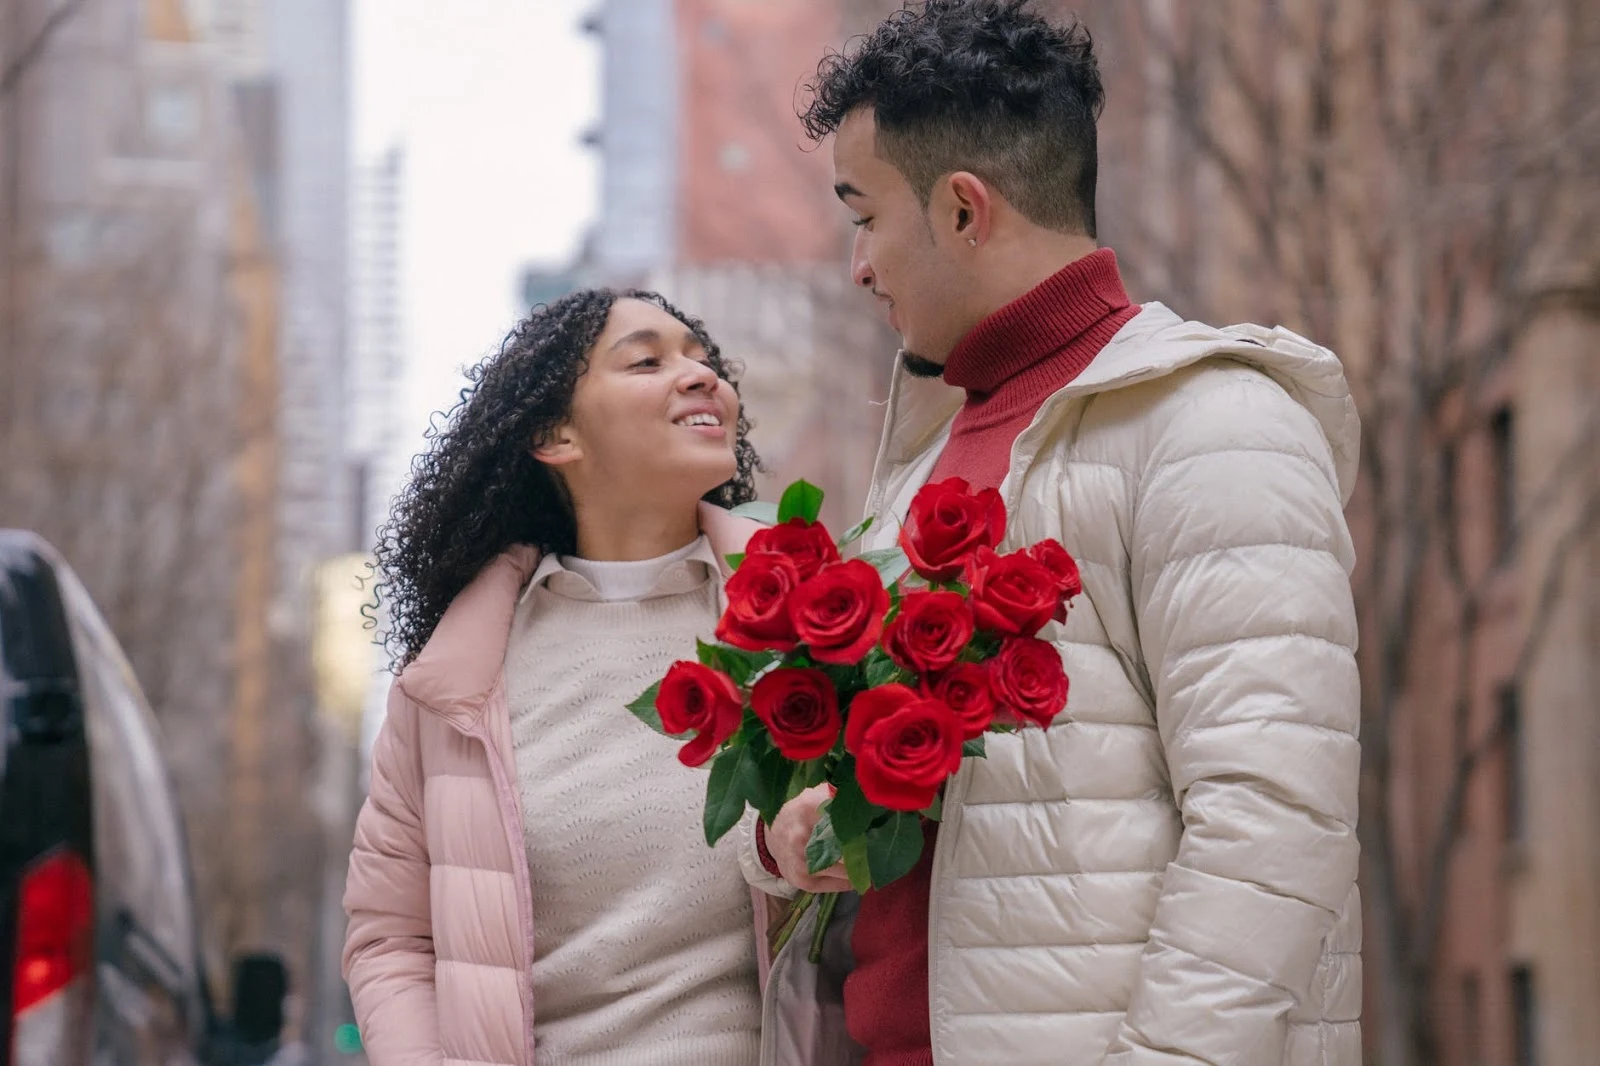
972,241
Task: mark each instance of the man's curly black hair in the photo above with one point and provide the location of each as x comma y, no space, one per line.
478,490
985,86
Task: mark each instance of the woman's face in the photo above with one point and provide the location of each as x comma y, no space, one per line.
651,421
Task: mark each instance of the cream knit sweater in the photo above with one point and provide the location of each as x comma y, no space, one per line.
643,951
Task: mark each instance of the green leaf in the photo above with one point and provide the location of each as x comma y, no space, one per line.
737,663
816,772
849,809
847,680
934,811
800,500
882,670
724,801
974,749
734,559
855,533
891,563
797,781
985,645
766,783
763,511
823,849
894,847
644,709
856,866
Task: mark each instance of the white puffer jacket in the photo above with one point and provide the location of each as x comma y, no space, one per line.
1166,875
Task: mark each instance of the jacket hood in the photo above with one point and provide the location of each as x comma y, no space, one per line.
1154,343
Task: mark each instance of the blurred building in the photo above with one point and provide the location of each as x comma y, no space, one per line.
288,67
542,284
714,196
309,60
380,453
237,29
140,393
377,370
638,136
173,234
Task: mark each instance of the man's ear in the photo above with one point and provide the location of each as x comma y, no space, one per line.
967,209
559,447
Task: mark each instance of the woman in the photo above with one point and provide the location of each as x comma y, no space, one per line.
529,866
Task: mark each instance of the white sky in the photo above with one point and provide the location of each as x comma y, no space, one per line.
488,99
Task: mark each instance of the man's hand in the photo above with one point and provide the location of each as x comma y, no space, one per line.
787,838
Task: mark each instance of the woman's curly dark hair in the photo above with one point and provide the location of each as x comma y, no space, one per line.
478,490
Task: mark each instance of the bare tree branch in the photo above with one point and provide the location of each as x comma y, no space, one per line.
30,53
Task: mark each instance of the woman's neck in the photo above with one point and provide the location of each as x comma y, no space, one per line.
630,534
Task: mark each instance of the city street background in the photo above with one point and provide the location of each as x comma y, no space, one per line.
248,246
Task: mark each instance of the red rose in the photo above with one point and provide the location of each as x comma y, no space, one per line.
902,757
1056,559
800,709
1029,679
1011,594
929,632
696,697
839,613
946,523
968,691
871,705
806,544
757,618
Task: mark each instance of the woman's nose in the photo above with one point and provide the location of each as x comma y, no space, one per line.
699,376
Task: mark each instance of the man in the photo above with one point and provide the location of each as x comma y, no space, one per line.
1167,874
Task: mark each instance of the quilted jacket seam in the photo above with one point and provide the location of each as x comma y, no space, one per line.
974,878
1219,964
480,965
1178,560
1209,453
1232,641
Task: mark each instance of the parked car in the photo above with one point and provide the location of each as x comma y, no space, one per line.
100,959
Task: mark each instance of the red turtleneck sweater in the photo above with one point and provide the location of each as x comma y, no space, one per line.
1009,364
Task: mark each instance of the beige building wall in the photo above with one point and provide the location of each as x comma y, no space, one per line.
1554,874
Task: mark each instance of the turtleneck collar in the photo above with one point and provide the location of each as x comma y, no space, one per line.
1063,315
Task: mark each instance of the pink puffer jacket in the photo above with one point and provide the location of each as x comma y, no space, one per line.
441,917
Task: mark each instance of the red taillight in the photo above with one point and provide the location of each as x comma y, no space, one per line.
55,929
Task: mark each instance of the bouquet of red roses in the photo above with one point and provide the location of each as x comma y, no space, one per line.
875,675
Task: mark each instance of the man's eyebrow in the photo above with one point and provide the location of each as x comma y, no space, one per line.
844,189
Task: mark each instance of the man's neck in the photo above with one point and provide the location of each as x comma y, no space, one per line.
1017,263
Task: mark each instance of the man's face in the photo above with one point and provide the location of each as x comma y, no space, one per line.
902,252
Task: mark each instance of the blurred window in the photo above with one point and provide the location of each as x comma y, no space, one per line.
1502,443
1524,1018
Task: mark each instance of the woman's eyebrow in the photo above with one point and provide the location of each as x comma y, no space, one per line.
652,336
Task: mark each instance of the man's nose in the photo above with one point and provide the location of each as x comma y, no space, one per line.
860,266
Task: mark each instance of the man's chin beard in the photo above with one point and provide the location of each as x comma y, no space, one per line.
919,367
